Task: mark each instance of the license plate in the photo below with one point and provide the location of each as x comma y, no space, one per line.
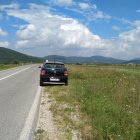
54,79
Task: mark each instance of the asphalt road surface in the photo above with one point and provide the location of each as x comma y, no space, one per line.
19,100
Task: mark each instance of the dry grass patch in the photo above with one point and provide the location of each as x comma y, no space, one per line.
72,123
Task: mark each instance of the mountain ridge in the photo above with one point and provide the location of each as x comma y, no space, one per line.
10,56
78,59
133,61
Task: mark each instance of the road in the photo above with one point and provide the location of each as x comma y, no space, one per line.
19,102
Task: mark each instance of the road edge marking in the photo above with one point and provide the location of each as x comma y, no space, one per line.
14,73
11,68
31,116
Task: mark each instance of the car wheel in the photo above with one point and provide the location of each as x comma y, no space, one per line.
41,83
66,83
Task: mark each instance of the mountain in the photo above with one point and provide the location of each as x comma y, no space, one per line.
11,56
92,59
133,61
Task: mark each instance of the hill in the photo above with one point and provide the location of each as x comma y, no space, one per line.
133,61
92,59
11,56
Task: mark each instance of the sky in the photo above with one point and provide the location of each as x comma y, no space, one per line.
108,28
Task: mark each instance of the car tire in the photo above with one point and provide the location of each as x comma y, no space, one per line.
41,83
66,83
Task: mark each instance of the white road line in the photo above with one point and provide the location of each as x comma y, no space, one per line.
15,73
29,120
1,71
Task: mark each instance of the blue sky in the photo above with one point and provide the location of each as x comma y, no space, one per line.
71,27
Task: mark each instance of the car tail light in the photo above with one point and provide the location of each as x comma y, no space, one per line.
66,73
43,72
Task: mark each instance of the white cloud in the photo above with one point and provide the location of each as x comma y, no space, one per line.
89,11
10,6
48,33
137,23
2,32
100,15
26,31
60,2
1,16
116,28
138,11
77,34
86,6
22,43
130,42
53,30
124,21
4,44
68,2
132,36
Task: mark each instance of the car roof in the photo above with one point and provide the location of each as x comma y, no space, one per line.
54,62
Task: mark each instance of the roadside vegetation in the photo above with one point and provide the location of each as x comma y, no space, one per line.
8,66
100,103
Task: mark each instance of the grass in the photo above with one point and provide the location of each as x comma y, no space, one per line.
7,66
107,100
63,112
111,99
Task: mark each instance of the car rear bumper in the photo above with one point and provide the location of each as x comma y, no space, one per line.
54,83
46,80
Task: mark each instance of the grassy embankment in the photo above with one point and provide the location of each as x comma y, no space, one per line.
8,66
107,100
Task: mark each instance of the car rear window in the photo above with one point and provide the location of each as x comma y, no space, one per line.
50,65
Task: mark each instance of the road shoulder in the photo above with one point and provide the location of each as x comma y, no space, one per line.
57,120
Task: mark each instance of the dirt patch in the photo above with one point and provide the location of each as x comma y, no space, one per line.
45,127
57,119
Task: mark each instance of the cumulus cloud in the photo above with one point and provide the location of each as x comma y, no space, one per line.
22,43
129,41
2,32
53,30
26,32
51,33
132,36
77,34
4,44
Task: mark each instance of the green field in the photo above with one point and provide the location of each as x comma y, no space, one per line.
108,98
